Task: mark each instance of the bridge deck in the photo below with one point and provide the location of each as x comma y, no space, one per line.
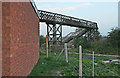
50,17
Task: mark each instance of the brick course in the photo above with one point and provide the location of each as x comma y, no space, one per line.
20,38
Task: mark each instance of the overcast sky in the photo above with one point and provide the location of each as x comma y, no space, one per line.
105,13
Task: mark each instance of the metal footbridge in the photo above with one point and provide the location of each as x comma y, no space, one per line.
55,21
50,17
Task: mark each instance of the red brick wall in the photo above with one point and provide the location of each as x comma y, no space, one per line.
20,38
0,39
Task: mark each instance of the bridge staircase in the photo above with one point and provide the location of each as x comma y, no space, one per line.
72,35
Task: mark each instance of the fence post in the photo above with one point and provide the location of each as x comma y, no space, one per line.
93,64
66,55
46,50
80,61
46,46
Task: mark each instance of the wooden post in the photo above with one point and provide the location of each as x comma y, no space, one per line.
93,65
46,46
60,54
66,55
80,61
46,50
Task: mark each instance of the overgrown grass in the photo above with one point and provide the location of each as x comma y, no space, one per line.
44,66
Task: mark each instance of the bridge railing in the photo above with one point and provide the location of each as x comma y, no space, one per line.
46,16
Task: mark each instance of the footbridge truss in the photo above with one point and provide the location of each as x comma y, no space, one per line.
55,21
54,32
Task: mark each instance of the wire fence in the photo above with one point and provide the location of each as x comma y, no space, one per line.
93,63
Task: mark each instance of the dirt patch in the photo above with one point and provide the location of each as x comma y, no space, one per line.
54,73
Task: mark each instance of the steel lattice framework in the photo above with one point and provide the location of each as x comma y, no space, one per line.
50,17
55,32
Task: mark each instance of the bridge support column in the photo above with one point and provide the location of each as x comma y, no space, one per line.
54,33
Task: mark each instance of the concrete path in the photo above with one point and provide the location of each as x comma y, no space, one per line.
105,55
